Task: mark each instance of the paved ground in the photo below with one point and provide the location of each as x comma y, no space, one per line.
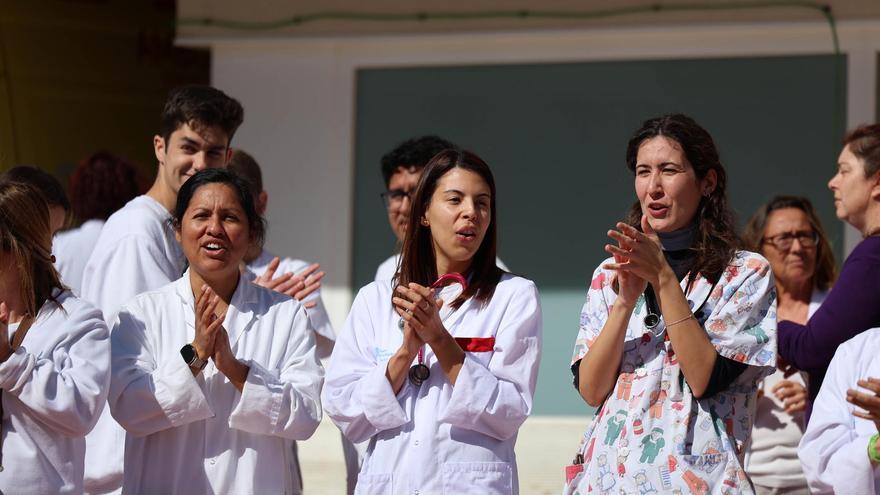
545,446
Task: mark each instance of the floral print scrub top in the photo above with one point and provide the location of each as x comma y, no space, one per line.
652,435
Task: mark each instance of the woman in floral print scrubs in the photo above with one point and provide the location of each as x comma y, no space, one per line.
675,402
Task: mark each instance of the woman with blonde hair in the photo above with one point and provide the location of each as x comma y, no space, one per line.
54,356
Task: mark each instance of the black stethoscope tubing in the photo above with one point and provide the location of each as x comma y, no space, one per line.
652,319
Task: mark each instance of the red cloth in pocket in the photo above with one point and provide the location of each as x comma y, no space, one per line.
476,344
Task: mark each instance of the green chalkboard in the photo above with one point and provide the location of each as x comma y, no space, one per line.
555,136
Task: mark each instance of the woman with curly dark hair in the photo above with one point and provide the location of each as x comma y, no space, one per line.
100,185
677,330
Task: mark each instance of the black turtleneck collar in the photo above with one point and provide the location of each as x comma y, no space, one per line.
677,249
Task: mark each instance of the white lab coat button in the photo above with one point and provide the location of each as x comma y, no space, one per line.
213,461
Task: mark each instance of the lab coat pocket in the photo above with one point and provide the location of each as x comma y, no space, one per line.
477,477
479,348
373,484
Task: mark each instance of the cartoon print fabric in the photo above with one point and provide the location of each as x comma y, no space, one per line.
652,435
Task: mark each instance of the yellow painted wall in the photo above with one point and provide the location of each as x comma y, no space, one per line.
78,76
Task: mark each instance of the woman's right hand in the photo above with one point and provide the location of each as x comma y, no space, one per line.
398,366
411,341
629,285
207,322
868,399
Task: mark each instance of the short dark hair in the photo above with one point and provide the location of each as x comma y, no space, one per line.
413,153
200,106
245,166
864,142
46,183
101,184
717,239
418,260
826,269
256,224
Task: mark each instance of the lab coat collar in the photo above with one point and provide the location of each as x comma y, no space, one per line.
239,315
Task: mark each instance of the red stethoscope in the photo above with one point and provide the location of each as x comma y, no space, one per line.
419,373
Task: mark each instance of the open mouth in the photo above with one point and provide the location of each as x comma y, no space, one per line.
657,210
466,235
214,248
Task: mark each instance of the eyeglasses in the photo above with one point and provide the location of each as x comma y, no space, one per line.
395,197
783,242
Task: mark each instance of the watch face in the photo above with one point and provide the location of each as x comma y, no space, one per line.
188,352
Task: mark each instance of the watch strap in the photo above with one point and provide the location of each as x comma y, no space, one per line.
195,361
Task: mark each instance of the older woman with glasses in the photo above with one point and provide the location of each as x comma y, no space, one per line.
788,233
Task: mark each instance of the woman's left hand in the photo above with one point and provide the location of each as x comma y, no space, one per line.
869,401
417,306
645,254
226,361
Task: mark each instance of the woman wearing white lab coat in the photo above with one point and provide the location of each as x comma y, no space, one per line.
213,376
54,356
450,427
834,450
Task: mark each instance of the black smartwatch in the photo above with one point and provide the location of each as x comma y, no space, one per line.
191,357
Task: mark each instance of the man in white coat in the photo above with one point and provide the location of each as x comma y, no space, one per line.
137,250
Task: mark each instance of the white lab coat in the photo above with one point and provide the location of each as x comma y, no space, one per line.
136,252
388,267
54,387
320,320
200,435
438,438
834,450
72,249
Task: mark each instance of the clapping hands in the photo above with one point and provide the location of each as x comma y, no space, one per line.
298,286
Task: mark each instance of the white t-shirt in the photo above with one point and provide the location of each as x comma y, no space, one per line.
72,249
772,459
